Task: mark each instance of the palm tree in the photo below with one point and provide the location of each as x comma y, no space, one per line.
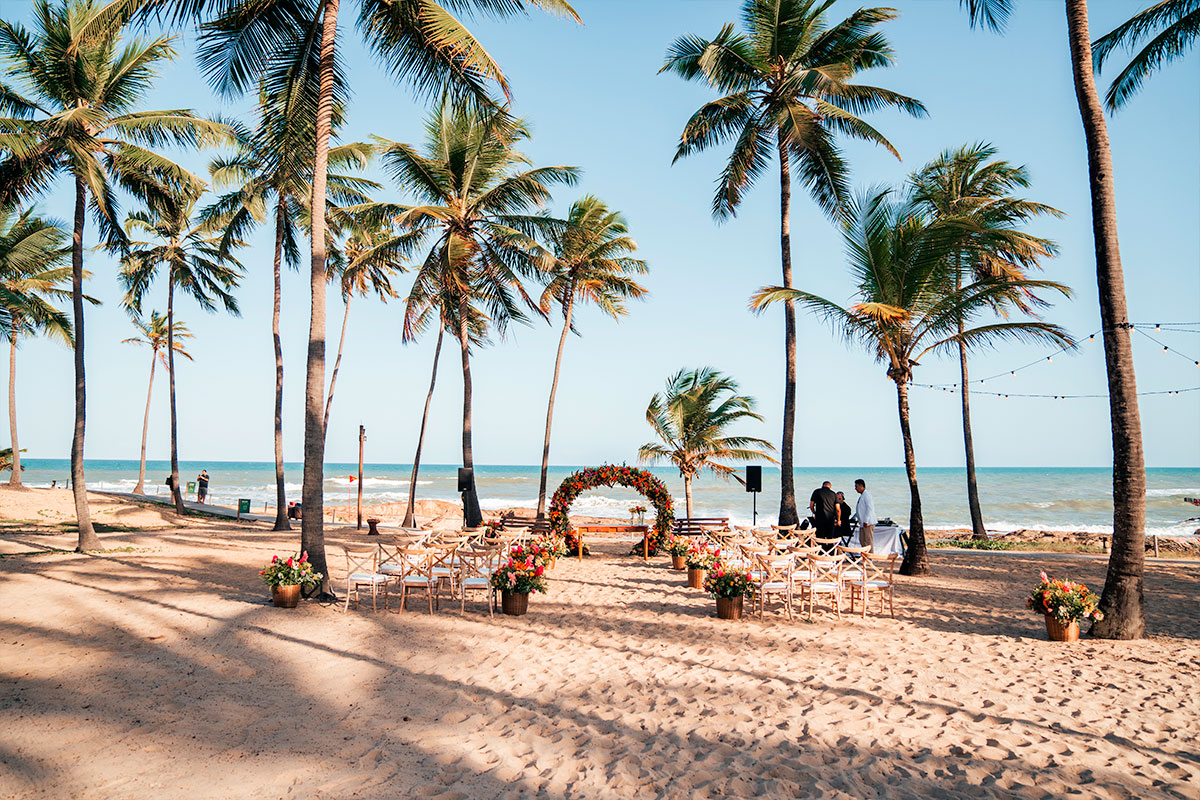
194,262
1179,21
589,262
419,42
365,262
272,169
82,84
690,419
973,189
908,305
786,85
1122,600
420,308
31,273
10,460
475,195
154,334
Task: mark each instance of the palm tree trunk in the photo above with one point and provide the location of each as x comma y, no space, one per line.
687,494
916,559
176,490
977,529
472,516
87,534
337,364
787,483
141,483
14,480
562,341
312,529
281,518
1122,600
409,519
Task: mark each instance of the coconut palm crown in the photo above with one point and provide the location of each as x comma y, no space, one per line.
691,418
1170,26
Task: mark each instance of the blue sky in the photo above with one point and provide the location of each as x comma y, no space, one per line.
593,99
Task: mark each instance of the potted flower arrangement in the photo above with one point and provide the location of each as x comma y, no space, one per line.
287,576
517,577
699,558
728,586
1064,603
546,548
637,515
678,546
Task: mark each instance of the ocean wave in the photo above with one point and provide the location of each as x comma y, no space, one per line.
1191,492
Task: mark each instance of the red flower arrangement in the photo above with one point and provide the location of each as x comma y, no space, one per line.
650,487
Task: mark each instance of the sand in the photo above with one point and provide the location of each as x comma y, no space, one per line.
162,671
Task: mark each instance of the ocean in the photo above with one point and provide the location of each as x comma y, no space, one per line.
1069,499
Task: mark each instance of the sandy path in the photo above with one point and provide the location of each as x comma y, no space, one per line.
163,671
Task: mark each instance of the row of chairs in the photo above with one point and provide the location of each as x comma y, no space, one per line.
461,562
786,569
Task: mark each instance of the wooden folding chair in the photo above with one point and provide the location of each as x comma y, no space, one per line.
362,570
824,577
477,566
877,575
773,576
418,574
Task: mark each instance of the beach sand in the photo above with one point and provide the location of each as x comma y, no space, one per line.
163,671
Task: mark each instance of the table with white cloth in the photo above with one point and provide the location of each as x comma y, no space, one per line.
886,540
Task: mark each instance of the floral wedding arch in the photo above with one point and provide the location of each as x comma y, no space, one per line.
639,480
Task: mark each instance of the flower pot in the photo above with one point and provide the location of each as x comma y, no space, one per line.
677,562
696,578
1061,631
514,604
729,608
286,596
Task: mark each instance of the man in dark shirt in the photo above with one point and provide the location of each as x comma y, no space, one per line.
824,507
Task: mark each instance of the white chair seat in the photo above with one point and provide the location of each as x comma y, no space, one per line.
362,577
874,584
418,580
802,575
443,572
852,575
389,569
773,586
476,583
822,586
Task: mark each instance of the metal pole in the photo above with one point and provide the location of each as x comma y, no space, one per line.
362,435
755,494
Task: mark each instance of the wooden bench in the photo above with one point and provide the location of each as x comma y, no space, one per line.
535,526
695,526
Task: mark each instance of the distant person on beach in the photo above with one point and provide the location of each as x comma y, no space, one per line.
202,484
864,512
295,511
845,529
53,484
824,507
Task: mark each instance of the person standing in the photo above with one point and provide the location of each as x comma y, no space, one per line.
845,529
824,507
202,485
864,511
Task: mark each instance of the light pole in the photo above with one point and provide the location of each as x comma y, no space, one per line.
362,437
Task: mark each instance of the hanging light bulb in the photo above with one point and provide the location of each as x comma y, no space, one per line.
1048,359
1164,348
1092,338
1157,326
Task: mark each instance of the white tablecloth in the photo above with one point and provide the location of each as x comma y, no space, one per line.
885,539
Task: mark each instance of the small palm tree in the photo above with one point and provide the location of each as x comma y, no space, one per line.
1170,25
195,263
10,460
270,173
589,261
154,334
475,196
787,86
972,189
691,418
32,254
76,114
908,306
365,263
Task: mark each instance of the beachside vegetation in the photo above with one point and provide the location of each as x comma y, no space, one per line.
908,306
153,333
786,81
587,260
692,418
972,188
73,109
33,275
183,249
